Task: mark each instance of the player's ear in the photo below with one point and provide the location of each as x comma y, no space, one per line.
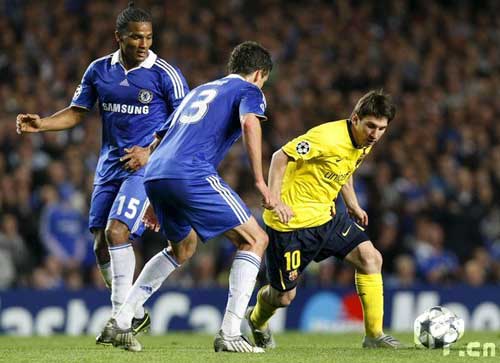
255,76
117,36
354,119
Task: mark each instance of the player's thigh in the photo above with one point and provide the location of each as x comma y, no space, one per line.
169,208
248,236
213,208
103,197
130,204
342,235
288,254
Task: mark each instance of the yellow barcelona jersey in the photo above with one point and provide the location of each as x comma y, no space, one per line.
323,161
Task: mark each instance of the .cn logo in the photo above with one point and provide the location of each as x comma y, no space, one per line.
474,350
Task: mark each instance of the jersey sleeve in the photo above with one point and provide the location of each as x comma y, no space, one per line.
253,101
85,94
307,146
175,86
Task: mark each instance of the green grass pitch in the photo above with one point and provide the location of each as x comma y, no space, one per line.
191,347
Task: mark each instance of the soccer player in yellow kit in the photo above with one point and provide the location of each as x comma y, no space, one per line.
306,176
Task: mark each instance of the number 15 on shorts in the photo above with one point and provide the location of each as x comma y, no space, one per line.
131,209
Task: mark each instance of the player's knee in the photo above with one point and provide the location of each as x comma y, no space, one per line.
262,240
117,233
286,298
183,252
183,255
371,260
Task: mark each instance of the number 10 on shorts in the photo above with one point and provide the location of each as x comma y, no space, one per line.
292,260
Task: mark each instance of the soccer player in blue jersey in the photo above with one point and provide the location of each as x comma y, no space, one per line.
191,200
136,92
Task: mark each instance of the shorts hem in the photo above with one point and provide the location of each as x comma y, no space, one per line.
205,238
280,288
181,239
350,248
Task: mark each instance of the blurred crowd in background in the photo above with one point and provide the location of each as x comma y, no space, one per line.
431,186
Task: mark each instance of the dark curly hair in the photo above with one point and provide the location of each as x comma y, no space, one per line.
377,104
131,14
249,57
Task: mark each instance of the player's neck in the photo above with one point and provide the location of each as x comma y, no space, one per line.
352,133
128,64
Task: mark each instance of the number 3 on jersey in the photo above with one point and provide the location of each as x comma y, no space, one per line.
195,110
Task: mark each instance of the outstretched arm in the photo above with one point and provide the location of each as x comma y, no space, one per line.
277,171
64,119
351,201
252,138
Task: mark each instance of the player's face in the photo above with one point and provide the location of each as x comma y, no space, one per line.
369,129
135,42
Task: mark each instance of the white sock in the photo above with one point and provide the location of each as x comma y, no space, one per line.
242,279
158,268
105,269
122,267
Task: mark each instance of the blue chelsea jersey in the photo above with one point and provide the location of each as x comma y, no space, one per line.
133,104
199,133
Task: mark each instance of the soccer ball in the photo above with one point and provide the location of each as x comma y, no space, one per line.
437,327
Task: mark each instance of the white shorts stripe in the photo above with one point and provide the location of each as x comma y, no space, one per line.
231,197
138,221
174,76
231,202
228,193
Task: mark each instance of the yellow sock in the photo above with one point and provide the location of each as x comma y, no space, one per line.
371,293
262,311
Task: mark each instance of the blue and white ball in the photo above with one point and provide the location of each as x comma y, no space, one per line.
437,327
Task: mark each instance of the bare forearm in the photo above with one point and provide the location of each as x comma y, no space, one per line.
63,119
252,137
277,171
349,194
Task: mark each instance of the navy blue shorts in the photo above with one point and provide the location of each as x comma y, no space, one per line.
124,200
289,253
209,206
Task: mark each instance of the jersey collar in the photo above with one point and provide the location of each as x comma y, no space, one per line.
147,63
351,136
234,75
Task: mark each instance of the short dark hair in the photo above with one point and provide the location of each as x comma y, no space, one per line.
249,57
131,14
377,104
